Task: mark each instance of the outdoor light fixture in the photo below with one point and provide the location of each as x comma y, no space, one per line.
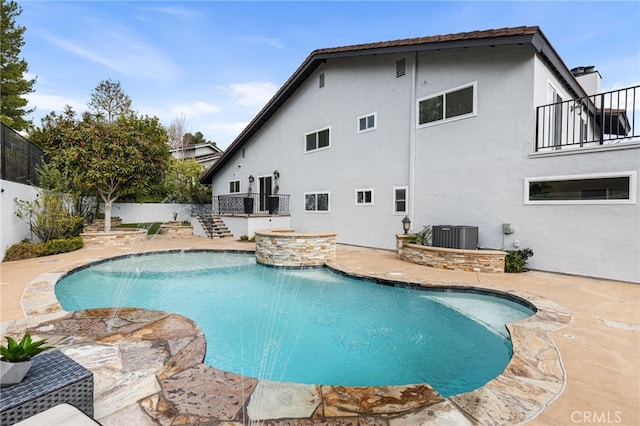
406,224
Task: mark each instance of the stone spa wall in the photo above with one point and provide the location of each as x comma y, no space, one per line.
449,258
285,247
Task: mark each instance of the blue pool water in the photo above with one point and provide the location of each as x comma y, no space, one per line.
310,325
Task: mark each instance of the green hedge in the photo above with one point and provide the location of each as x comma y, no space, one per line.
29,250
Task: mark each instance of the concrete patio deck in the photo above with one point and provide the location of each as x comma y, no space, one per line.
599,345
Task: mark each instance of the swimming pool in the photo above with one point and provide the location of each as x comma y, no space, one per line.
310,325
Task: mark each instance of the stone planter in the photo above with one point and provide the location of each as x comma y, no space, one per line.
13,372
119,237
176,229
449,258
98,224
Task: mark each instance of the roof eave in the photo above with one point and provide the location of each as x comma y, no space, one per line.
533,37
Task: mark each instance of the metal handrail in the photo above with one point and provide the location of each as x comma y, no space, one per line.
602,119
251,204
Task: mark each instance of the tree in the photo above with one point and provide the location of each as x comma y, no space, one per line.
109,100
176,132
182,182
13,84
115,159
195,139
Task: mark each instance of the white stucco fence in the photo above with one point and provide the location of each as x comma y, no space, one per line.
151,212
12,228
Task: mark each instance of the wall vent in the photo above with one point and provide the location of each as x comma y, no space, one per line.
459,237
400,67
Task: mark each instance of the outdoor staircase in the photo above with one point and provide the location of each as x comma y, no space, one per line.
214,226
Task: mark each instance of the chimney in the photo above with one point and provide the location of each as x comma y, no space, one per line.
589,78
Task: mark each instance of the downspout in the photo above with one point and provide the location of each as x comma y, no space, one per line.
412,139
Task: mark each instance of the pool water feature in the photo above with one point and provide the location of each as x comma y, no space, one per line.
312,325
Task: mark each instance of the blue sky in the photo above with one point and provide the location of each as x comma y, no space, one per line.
217,63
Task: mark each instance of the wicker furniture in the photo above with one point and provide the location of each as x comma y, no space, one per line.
54,379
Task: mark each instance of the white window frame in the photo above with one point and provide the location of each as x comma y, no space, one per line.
366,117
239,186
632,175
306,151
473,113
316,211
406,200
364,203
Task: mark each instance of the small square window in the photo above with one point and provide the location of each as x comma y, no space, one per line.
364,197
366,123
234,186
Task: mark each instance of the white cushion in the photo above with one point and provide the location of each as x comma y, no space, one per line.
60,415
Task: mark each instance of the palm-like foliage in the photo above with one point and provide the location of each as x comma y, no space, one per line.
23,350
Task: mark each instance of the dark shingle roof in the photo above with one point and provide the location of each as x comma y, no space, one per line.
493,37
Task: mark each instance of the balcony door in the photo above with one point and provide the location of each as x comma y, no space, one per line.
555,122
265,184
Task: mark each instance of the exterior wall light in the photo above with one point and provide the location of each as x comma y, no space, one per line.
406,224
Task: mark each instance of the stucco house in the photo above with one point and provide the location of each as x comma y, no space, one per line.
488,129
205,153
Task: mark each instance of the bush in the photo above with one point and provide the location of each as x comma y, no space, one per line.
516,260
23,250
62,245
28,250
423,237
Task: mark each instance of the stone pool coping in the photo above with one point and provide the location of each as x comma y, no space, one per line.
532,380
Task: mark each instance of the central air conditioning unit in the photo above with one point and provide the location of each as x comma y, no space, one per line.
459,237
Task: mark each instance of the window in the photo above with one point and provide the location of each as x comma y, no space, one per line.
234,186
366,123
454,104
317,140
321,80
600,188
316,202
364,197
400,199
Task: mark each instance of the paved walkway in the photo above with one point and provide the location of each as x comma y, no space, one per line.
599,347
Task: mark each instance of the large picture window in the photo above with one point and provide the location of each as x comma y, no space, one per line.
450,105
316,202
600,188
320,139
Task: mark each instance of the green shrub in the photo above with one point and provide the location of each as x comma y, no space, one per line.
62,245
23,350
28,250
516,260
422,237
23,250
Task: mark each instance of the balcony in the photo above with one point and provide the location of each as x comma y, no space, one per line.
251,204
605,119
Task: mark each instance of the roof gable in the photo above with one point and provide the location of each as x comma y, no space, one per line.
493,37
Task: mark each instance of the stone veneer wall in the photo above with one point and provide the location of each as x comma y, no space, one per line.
113,238
285,247
176,230
449,258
